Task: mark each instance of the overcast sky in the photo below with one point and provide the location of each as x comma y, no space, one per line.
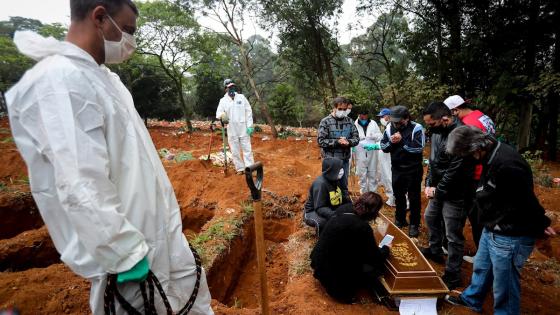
50,11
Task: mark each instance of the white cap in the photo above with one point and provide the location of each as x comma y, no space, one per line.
454,101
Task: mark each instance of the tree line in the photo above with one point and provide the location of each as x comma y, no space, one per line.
501,55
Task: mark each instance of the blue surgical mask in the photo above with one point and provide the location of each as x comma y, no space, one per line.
363,122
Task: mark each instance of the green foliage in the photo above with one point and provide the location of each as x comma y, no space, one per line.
154,93
284,134
173,36
307,44
55,30
12,64
541,173
283,104
416,93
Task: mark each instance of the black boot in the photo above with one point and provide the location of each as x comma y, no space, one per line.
452,281
413,231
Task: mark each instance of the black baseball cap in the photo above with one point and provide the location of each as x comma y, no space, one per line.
399,113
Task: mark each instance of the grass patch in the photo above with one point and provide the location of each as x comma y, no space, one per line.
178,156
289,133
3,186
216,239
7,140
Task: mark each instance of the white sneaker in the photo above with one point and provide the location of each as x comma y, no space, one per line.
469,259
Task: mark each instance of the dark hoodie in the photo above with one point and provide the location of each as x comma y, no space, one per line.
346,257
325,194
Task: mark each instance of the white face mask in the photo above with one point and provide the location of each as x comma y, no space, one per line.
117,52
340,113
348,112
384,122
340,173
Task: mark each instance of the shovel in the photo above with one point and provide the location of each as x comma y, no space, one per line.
225,150
256,189
206,161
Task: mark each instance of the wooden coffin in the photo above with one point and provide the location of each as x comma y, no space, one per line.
407,271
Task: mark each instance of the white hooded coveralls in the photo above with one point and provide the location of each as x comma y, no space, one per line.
240,116
366,161
96,176
384,174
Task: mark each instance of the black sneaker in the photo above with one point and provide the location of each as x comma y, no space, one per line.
413,231
400,224
452,281
437,258
457,301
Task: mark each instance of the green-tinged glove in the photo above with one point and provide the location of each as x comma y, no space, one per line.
250,131
371,147
138,273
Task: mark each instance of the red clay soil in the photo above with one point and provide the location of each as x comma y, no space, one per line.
204,192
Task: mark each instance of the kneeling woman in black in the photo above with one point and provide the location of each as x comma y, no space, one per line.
346,257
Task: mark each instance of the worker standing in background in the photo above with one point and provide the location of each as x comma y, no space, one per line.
384,174
366,152
235,111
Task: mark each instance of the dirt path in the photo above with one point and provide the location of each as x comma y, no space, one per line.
42,285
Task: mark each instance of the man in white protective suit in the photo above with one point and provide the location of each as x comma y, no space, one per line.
235,111
94,172
366,152
384,161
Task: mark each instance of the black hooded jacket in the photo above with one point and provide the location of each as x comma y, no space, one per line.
325,194
347,257
452,176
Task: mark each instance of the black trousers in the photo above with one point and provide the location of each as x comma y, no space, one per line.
407,182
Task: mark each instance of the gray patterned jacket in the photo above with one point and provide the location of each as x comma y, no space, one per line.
330,130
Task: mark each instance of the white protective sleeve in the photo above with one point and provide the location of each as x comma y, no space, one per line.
374,133
73,129
248,112
220,110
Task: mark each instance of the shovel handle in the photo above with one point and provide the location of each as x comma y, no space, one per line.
255,187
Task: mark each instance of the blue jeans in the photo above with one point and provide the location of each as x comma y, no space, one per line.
497,264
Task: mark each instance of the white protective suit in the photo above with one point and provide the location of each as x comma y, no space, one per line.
96,176
366,161
240,116
385,176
